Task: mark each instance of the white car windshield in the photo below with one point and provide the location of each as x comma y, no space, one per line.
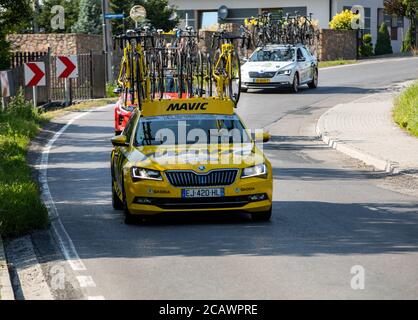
279,54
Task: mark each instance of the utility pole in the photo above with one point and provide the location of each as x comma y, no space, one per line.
106,37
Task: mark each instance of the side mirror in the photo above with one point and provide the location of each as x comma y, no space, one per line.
120,141
262,137
266,136
117,90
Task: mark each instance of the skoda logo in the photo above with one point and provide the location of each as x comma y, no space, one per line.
202,168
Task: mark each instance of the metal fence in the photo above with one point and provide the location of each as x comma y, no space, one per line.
89,84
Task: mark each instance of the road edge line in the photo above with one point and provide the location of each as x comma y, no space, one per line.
6,289
59,232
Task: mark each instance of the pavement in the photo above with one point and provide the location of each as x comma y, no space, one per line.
6,290
331,214
364,129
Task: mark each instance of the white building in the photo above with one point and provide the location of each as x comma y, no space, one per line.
203,13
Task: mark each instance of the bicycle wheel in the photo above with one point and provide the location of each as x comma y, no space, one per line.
189,75
138,81
153,76
160,74
198,76
234,83
180,74
207,76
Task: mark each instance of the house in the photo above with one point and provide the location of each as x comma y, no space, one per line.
201,13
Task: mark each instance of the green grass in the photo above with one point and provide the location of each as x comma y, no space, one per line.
21,209
326,64
405,112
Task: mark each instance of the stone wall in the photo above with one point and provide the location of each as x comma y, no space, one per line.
337,44
60,43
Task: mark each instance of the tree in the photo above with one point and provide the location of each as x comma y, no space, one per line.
159,14
89,19
71,9
342,20
15,16
383,43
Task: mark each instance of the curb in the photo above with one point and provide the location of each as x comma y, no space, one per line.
6,290
378,163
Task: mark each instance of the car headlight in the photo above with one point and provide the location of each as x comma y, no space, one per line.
284,72
259,170
146,174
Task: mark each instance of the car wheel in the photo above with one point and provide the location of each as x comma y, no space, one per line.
295,84
244,89
262,216
314,83
129,217
116,202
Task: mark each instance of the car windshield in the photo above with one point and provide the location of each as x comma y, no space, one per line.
190,129
279,54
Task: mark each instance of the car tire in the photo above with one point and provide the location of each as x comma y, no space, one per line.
262,216
129,217
295,84
314,83
244,89
117,204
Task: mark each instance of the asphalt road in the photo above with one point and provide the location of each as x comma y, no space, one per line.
330,212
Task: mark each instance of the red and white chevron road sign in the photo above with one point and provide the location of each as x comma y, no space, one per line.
35,74
67,67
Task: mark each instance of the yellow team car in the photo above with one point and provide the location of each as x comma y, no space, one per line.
191,155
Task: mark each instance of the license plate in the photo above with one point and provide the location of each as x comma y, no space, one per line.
202,193
262,80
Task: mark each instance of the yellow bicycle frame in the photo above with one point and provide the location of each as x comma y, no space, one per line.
222,80
124,78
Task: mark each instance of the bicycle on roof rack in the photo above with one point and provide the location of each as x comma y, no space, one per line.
226,65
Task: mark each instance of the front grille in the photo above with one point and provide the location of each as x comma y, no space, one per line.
193,179
254,74
202,203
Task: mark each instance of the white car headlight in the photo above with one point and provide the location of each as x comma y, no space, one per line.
146,174
286,72
259,170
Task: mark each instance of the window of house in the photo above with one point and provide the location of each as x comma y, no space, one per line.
207,18
393,22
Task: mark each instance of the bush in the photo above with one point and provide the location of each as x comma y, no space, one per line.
383,43
109,90
342,20
407,42
405,113
366,48
21,209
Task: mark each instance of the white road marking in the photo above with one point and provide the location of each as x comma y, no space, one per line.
86,281
66,244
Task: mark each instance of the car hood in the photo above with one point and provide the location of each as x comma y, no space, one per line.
194,157
266,66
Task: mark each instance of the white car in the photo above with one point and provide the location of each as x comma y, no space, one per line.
276,66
